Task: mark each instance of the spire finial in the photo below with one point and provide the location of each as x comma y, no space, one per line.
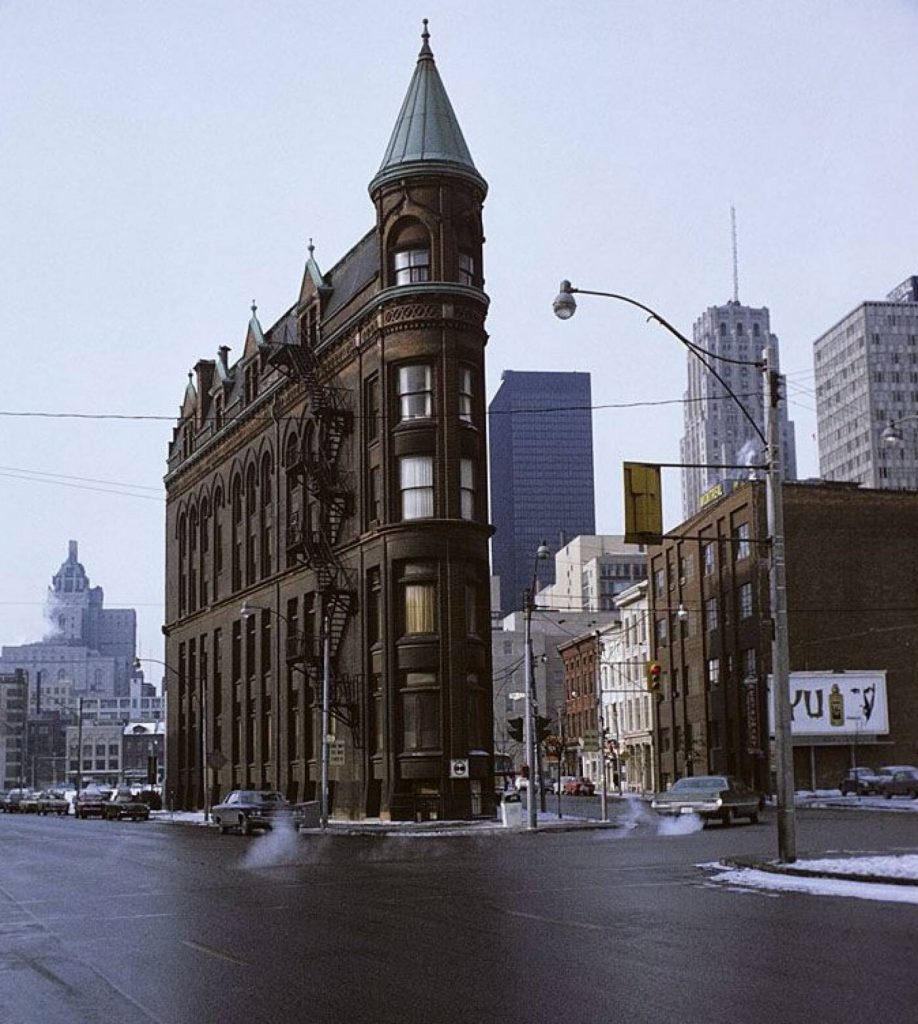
310,248
425,43
735,259
190,376
254,308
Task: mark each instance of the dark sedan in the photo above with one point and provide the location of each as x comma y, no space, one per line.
124,805
720,797
248,809
903,782
52,801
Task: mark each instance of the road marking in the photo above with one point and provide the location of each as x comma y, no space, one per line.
215,952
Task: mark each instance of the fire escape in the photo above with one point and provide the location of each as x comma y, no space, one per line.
312,540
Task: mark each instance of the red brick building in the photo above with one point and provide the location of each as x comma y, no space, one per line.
852,596
334,479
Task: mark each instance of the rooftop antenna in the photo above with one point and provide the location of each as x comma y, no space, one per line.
735,260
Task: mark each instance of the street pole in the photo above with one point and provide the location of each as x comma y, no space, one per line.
205,789
780,656
601,734
560,753
79,778
528,724
323,749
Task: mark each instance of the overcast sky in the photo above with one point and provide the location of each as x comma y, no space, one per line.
162,164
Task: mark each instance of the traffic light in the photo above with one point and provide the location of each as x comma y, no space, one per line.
543,728
515,729
654,672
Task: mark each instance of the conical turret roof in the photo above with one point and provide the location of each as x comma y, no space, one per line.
427,137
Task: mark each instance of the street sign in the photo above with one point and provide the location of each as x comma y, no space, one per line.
459,768
589,739
336,752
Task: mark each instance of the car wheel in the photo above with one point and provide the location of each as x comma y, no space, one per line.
888,796
245,826
726,817
754,818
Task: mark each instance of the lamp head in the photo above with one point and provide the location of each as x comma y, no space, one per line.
247,610
682,613
892,435
543,551
565,305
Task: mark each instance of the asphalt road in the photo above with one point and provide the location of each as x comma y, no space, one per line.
115,922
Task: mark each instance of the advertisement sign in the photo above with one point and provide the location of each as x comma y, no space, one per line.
826,706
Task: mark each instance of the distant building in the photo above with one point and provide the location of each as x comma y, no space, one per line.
851,597
541,459
89,651
867,377
549,630
13,691
717,433
590,571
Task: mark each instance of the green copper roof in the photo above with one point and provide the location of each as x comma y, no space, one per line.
427,136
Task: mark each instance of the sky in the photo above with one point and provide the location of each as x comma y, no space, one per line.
163,164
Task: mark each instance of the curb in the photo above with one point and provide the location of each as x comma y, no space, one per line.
799,872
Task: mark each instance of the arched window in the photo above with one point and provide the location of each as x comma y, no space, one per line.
409,253
218,541
183,563
267,515
251,525
237,534
292,504
193,561
204,567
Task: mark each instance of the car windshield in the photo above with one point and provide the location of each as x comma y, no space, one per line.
700,782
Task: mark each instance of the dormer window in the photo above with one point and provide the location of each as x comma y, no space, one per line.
251,381
466,265
412,266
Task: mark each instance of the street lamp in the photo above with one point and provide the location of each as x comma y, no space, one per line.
529,732
565,305
246,612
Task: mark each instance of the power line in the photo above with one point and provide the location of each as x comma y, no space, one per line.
82,479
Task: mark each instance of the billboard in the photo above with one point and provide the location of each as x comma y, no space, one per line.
828,706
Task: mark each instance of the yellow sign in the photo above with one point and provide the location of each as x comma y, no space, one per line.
643,503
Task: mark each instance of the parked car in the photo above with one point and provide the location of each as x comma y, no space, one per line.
52,801
28,803
578,786
123,805
711,796
903,782
860,781
248,809
89,802
14,799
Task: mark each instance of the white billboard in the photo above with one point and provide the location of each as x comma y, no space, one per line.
830,705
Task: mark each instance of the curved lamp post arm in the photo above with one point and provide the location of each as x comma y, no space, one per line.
565,306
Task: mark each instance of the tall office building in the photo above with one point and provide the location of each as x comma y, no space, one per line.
867,376
541,458
716,431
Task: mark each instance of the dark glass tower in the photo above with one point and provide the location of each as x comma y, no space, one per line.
541,457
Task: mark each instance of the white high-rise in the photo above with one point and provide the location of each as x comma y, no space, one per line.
717,434
866,377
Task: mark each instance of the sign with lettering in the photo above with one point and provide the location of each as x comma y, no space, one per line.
828,705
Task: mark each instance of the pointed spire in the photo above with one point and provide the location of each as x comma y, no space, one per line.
427,137
255,327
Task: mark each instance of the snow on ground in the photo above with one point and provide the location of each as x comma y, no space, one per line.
749,879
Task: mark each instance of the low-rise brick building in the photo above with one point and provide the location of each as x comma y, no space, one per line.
852,598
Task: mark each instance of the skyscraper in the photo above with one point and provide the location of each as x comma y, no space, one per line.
541,457
716,431
867,376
